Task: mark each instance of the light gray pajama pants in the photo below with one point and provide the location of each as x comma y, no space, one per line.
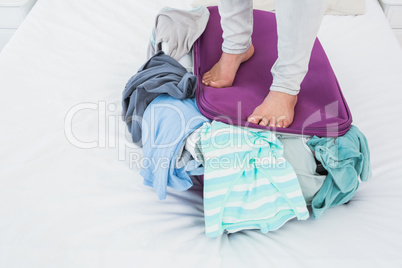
298,22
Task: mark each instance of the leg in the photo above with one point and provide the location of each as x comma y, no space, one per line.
298,22
237,25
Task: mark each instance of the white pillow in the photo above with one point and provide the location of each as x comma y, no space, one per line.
334,7
267,5
346,7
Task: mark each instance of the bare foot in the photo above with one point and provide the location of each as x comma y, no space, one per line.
277,110
223,73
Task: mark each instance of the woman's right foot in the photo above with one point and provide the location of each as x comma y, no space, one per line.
277,110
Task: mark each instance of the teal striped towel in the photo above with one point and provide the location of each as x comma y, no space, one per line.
248,184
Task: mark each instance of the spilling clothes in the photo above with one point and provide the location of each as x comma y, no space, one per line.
253,178
169,122
179,29
299,155
158,101
175,30
248,184
346,158
161,74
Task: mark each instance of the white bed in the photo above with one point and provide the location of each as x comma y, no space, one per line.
62,205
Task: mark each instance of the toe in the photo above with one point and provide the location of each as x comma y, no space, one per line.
286,123
272,121
206,76
280,121
206,79
264,121
204,82
255,119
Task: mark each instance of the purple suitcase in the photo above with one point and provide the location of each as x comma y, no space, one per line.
321,108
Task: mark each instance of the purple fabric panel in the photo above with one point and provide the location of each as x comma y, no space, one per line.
321,109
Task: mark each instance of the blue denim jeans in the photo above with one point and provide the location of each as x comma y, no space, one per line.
298,22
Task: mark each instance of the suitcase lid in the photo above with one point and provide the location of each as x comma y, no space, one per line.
321,109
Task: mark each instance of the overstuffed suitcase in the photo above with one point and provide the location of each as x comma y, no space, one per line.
321,108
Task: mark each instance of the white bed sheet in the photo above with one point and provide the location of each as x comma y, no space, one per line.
66,206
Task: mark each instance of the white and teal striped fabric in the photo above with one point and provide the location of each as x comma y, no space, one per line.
248,184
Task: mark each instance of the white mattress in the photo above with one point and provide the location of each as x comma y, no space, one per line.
62,205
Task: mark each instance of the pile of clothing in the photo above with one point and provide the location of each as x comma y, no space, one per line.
253,178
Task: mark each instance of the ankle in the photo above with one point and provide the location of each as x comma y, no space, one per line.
248,53
282,94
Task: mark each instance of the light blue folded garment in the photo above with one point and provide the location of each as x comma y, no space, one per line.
345,158
166,123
